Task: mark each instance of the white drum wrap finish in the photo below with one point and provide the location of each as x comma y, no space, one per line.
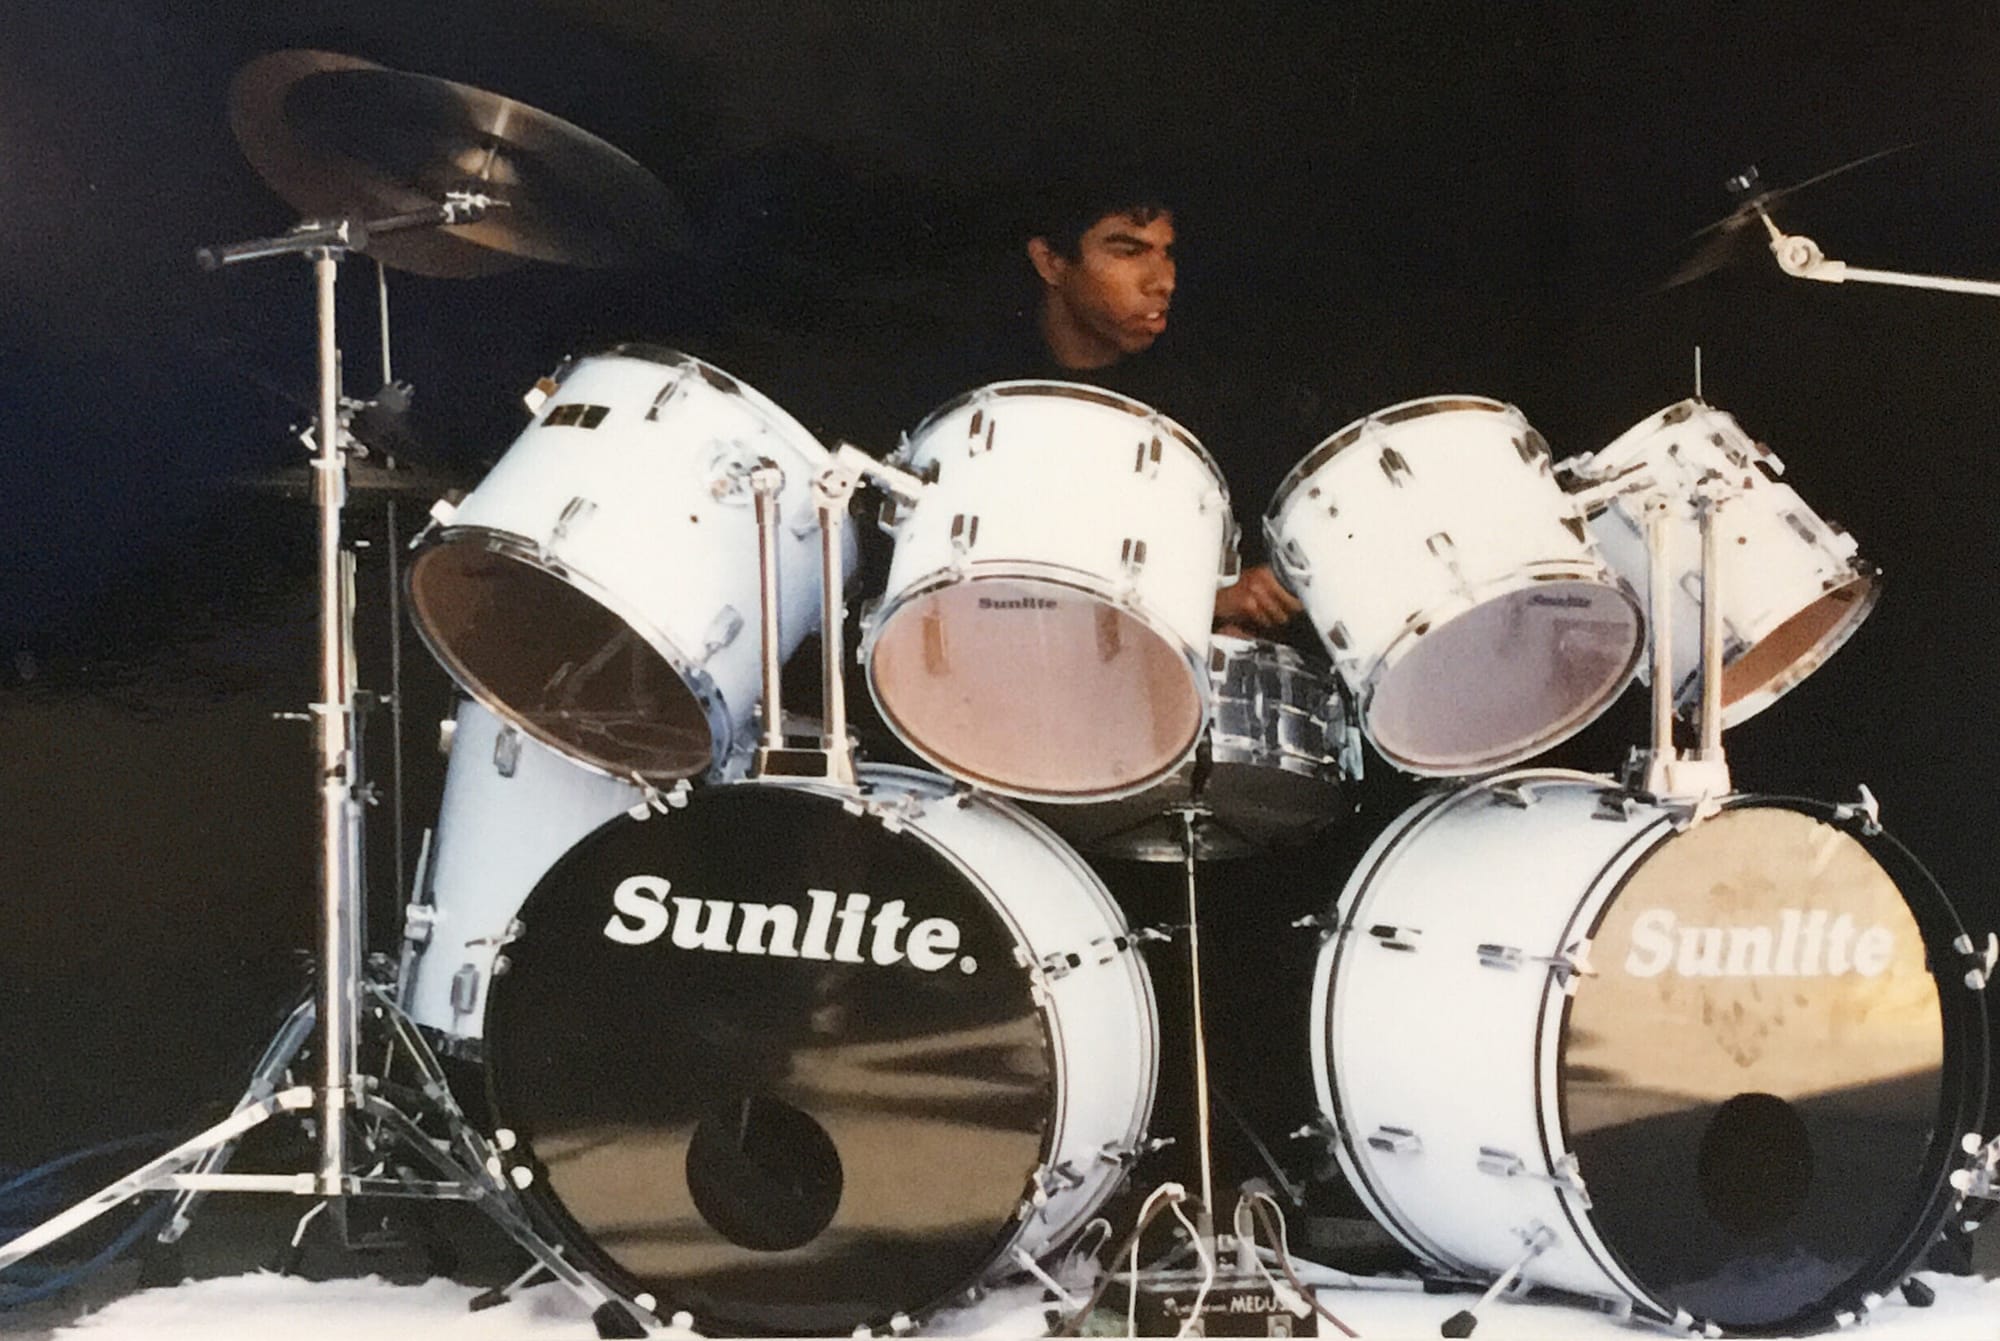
1044,631
1455,585
1793,586
599,589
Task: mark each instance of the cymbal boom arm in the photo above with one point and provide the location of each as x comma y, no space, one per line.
1801,258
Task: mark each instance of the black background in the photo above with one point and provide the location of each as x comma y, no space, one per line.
1379,201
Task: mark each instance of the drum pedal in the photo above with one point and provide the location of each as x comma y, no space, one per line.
1235,1304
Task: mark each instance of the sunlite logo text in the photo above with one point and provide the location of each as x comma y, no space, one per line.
645,909
1802,945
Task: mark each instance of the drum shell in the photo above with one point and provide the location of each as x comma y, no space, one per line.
510,809
1063,486
646,511
1417,514
1776,556
1055,476
1422,1026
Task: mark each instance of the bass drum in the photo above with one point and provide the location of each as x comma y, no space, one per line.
1717,1073
797,1060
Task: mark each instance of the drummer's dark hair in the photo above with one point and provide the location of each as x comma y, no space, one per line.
1065,209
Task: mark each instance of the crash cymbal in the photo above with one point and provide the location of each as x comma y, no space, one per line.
336,135
1740,234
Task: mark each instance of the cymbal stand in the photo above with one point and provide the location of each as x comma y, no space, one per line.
1204,1143
469,1165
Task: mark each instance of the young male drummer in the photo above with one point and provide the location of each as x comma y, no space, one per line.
1106,266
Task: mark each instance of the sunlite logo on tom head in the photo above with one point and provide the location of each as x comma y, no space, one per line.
853,931
1804,944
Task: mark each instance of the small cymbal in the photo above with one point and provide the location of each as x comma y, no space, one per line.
340,136
1741,232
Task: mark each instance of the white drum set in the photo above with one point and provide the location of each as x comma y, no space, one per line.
811,1047
781,1043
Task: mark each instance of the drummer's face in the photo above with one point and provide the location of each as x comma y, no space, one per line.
1111,298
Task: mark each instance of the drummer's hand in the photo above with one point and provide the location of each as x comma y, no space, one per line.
1257,600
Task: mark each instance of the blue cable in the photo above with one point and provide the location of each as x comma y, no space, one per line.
21,1196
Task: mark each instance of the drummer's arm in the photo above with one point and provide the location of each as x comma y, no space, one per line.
1255,602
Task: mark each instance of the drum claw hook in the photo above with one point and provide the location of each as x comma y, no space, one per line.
1983,959
1866,807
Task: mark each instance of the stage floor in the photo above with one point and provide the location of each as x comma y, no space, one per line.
232,1295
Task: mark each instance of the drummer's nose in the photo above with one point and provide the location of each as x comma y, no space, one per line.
1159,278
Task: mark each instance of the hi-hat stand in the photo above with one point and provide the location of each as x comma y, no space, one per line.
347,1101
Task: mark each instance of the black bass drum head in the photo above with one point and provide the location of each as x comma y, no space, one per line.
772,1063
1766,1080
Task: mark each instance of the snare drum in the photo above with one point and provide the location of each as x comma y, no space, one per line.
802,1060
1719,1073
1275,767
1455,585
1792,585
599,588
1044,631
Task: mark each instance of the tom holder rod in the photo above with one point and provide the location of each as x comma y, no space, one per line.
1660,602
831,493
765,482
1710,749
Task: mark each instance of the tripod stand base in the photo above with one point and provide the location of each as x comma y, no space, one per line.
468,1164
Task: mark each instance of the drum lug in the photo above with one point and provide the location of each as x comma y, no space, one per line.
1148,461
979,433
1396,938
1291,561
1573,963
1395,468
575,512
1395,1141
722,631
464,994
964,533
1618,807
1982,958
1866,808
506,751
1563,1176
1532,448
666,394
1132,557
1519,795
